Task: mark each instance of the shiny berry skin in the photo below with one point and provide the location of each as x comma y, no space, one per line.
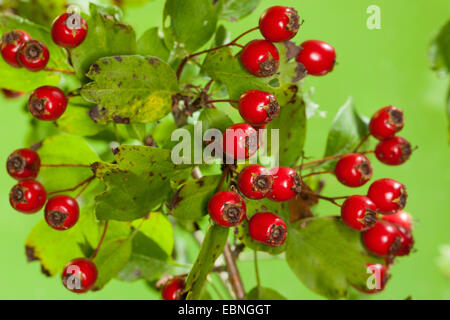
173,289
255,181
69,30
10,94
47,103
359,213
267,228
227,208
382,240
406,242
79,275
10,45
353,170
386,122
286,184
381,277
400,218
260,58
258,107
393,151
388,195
61,212
28,196
240,141
317,57
279,24
33,55
23,164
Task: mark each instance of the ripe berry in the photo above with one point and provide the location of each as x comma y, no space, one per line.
23,164
353,170
317,57
388,195
406,242
28,196
386,122
267,228
227,208
10,94
258,107
359,213
69,30
10,45
286,184
381,277
240,141
47,103
255,182
79,275
33,55
400,218
279,24
173,289
62,212
260,58
383,239
393,151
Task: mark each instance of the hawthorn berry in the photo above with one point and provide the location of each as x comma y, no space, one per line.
359,213
27,196
11,94
400,218
69,30
286,184
33,55
382,240
260,58
386,122
47,103
258,107
279,24
255,181
393,151
62,212
79,275
267,228
353,170
23,164
381,277
227,208
240,141
388,195
174,289
317,57
406,242
10,45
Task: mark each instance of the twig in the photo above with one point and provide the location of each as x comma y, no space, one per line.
317,173
233,272
332,200
82,183
102,238
366,137
59,70
62,165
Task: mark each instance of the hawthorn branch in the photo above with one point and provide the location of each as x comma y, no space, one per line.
233,272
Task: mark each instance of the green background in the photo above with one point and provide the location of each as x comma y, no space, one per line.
377,68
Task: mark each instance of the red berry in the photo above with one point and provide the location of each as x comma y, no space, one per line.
240,141
260,58
400,218
317,57
258,107
393,151
28,196
279,24
381,277
382,240
359,213
79,275
267,228
227,208
386,122
10,94
173,289
353,170
47,103
33,55
255,181
23,164
69,30
286,184
406,242
388,195
62,212
10,45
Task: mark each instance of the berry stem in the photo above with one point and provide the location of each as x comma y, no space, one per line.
363,140
84,188
332,200
223,100
102,238
65,165
82,183
258,279
233,272
59,70
317,173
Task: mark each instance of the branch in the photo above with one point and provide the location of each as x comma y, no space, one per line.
233,272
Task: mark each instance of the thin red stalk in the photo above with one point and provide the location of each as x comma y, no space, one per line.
65,165
82,183
102,238
59,70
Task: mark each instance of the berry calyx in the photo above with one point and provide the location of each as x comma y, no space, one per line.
10,45
255,182
279,24
47,103
62,212
28,196
173,289
386,122
406,242
359,213
69,30
317,57
353,170
388,195
227,208
240,141
268,228
382,240
393,151
286,184
23,164
400,218
10,94
33,55
258,107
79,275
381,277
260,58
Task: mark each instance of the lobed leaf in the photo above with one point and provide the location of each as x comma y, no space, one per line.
151,44
440,50
234,10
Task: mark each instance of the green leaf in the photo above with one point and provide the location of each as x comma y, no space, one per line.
76,121
327,256
234,10
151,44
440,50
42,12
261,293
130,89
214,119
222,36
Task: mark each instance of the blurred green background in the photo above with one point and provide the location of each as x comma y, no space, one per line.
377,68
